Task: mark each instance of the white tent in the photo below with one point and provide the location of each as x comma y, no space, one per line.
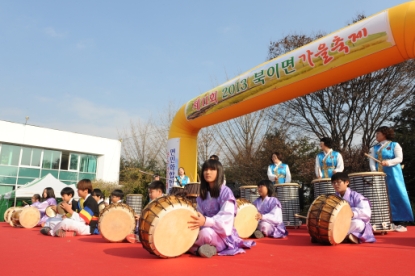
37,186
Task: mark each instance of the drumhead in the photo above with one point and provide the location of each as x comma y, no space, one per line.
172,236
315,181
367,174
341,219
116,221
50,212
245,222
29,217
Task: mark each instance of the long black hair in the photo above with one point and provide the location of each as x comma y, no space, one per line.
204,185
267,183
49,193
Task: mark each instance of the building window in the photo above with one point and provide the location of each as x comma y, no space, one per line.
73,162
31,157
88,164
9,155
51,159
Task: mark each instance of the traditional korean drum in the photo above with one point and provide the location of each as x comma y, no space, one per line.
135,201
176,190
249,192
245,222
322,186
192,191
51,213
290,202
27,217
328,219
116,221
164,229
372,185
8,213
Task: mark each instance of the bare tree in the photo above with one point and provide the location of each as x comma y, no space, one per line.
352,110
207,144
241,140
145,142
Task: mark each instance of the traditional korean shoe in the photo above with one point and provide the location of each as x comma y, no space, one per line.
45,231
353,239
207,251
258,234
62,233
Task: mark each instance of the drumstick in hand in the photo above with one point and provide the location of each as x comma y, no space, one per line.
299,216
373,158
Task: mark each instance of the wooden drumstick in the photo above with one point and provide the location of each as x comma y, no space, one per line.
300,216
373,158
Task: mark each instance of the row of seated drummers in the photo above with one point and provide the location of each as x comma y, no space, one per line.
216,205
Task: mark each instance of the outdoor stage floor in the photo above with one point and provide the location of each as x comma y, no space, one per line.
26,251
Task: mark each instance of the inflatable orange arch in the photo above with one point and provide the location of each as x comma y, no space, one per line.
379,41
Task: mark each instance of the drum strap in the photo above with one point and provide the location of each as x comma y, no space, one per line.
379,153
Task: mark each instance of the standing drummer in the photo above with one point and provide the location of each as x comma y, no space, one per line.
278,172
390,157
360,230
181,179
328,161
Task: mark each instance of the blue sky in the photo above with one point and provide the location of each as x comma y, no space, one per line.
92,66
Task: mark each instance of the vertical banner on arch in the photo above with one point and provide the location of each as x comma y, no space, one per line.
173,149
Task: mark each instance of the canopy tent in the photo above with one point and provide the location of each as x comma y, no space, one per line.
37,186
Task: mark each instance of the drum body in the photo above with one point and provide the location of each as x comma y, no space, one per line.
245,222
249,192
372,185
8,213
176,190
192,191
116,221
322,186
27,217
164,229
135,201
51,213
329,219
290,202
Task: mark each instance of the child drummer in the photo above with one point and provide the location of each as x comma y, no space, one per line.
269,213
155,190
360,229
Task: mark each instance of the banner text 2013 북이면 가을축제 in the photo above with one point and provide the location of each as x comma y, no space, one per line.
376,42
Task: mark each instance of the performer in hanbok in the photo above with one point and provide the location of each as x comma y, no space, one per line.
99,197
270,213
278,172
82,223
117,196
217,209
155,190
67,194
360,230
328,161
390,156
35,201
48,196
182,179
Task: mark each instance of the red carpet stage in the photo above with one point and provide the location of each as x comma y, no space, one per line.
26,251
